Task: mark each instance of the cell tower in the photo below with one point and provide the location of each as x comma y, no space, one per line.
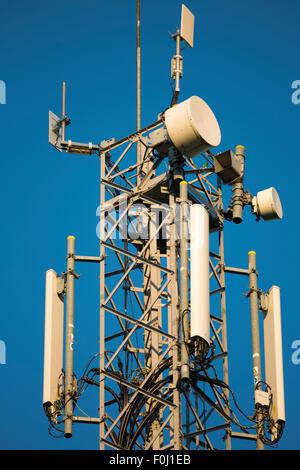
162,367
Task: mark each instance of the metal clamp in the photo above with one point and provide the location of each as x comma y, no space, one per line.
258,291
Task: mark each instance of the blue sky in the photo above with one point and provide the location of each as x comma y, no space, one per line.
245,58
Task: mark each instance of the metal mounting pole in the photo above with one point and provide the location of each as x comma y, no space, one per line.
102,347
184,283
138,85
68,387
224,320
255,336
174,313
177,71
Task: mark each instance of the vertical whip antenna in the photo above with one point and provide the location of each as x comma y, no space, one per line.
63,111
138,83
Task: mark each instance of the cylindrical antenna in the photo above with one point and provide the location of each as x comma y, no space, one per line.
63,111
200,301
238,189
138,83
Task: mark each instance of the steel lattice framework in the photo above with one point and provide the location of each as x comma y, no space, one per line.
146,402
142,402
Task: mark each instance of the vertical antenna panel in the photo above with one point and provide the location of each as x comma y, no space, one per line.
187,26
200,319
53,343
273,353
54,131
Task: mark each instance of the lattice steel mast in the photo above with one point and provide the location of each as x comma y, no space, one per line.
159,386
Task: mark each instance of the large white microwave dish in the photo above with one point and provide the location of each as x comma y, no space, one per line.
192,126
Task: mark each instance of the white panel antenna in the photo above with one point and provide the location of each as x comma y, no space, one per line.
54,131
273,355
187,26
53,342
200,319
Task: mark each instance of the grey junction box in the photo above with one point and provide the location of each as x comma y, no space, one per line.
228,167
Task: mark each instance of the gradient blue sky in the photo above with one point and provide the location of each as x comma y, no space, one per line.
245,58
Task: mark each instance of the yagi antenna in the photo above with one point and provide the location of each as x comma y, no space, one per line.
63,111
186,33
